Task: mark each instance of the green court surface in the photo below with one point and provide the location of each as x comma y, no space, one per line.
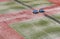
44,28
12,6
38,29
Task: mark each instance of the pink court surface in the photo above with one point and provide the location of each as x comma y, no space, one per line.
7,32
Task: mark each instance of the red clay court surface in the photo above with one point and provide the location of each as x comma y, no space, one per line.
8,33
55,1
5,19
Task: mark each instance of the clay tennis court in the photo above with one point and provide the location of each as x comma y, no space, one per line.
7,32
11,18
